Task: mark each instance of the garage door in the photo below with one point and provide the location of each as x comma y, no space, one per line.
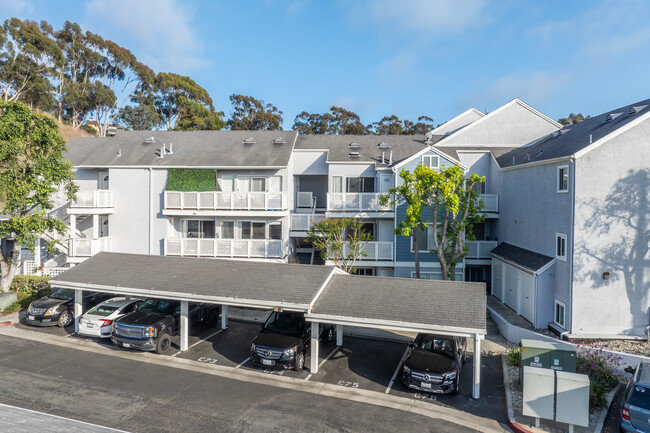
527,296
511,288
497,279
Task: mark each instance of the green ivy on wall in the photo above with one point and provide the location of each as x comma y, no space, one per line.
191,179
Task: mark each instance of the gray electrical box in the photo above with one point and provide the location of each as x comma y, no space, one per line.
539,392
572,405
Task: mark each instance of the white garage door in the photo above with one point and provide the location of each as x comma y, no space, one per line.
511,288
497,279
527,296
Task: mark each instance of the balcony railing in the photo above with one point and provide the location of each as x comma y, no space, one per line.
87,247
217,200
303,222
480,249
262,248
355,202
374,251
490,202
100,198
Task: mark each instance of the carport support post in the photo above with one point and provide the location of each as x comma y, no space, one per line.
314,347
224,317
77,309
339,335
476,389
184,325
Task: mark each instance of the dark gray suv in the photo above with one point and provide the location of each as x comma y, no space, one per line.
635,408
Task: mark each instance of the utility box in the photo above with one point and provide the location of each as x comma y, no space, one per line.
539,392
563,357
572,406
545,354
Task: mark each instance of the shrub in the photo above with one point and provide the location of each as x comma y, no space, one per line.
28,288
599,365
189,179
514,356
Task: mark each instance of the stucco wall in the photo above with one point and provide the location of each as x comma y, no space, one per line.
309,162
612,234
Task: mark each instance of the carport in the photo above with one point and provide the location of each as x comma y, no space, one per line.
324,293
403,304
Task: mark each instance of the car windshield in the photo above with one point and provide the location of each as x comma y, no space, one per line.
640,397
157,306
285,323
62,294
102,310
435,344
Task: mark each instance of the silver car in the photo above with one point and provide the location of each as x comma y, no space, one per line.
635,408
98,321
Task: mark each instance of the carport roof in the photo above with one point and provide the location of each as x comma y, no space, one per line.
235,282
404,303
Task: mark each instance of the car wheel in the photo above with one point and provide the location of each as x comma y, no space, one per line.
300,362
329,335
163,344
65,318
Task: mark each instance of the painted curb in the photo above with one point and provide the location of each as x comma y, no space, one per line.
5,323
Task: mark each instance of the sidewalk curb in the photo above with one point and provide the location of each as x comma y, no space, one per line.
603,414
514,426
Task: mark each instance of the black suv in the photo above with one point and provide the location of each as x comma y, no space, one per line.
283,341
433,363
57,308
152,325
635,408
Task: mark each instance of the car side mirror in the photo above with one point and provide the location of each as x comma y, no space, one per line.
629,369
411,344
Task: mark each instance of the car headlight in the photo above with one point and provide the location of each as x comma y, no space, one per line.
449,376
150,331
290,352
407,370
51,311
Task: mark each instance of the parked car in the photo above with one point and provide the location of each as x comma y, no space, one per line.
98,321
433,363
283,341
57,308
151,326
635,407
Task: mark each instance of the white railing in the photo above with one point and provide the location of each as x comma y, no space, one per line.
490,202
351,201
216,200
480,249
88,247
29,268
100,198
305,199
303,222
374,251
262,248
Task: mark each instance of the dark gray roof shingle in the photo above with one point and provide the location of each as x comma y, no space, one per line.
236,279
521,256
407,300
191,149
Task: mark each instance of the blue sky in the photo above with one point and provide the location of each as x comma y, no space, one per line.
383,57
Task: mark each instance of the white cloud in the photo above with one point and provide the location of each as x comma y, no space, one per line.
161,29
16,7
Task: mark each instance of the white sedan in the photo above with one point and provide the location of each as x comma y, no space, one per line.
98,321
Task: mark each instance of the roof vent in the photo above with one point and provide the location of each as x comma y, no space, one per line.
427,137
279,140
354,145
383,145
634,110
111,131
249,140
354,155
612,116
149,140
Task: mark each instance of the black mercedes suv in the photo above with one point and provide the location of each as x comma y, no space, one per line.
434,363
283,341
57,308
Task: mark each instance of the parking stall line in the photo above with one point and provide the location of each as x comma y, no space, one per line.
323,361
392,380
200,341
243,362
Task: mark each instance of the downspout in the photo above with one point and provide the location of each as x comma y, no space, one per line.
573,232
150,208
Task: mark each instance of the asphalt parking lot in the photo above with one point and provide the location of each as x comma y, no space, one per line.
361,363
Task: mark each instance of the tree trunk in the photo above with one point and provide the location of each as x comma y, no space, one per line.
9,270
417,252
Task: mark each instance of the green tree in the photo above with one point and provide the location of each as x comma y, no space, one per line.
411,191
392,125
140,117
250,114
32,170
572,119
341,240
338,121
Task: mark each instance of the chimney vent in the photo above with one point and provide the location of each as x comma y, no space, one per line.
354,145
279,140
249,140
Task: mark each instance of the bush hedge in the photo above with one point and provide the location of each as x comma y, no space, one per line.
28,288
600,366
190,179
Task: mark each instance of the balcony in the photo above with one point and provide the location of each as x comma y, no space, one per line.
94,199
88,247
249,248
356,202
228,201
374,251
480,249
303,222
490,202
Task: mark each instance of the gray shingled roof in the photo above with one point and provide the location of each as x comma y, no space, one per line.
521,256
191,149
236,279
407,300
573,138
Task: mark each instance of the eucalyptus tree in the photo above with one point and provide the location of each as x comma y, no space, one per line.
250,114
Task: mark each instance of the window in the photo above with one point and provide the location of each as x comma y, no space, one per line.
337,184
560,248
423,240
275,231
560,313
199,229
479,187
226,183
252,230
360,184
363,271
563,178
227,230
431,161
428,275
258,184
